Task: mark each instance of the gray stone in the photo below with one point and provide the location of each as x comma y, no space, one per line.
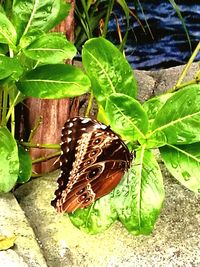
175,240
26,250
165,79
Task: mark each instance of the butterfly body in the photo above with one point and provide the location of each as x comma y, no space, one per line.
93,161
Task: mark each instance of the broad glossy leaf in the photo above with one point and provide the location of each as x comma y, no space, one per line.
54,81
33,17
9,67
108,70
50,48
153,105
139,197
178,121
126,116
25,165
7,31
183,162
96,218
9,163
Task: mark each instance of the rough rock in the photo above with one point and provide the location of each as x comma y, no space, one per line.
174,242
26,251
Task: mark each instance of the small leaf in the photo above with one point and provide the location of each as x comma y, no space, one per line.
126,116
96,218
7,31
54,81
25,165
107,69
50,48
6,242
139,197
9,163
179,118
9,67
183,162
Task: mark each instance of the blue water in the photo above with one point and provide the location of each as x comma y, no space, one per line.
169,45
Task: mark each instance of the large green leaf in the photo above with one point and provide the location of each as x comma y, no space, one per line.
25,165
153,105
54,81
139,197
178,121
33,17
9,163
183,162
126,116
8,34
50,48
108,70
96,218
9,67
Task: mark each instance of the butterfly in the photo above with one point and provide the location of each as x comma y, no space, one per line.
93,160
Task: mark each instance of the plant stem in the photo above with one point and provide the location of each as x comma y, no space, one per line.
42,159
11,108
47,146
187,66
87,18
109,10
11,100
5,106
33,131
87,113
194,81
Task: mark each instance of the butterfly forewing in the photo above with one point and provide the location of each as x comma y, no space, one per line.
93,161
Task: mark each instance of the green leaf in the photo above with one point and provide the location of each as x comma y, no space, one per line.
107,69
9,163
139,197
96,218
178,121
50,48
183,162
126,116
33,17
25,165
9,67
153,105
54,81
8,34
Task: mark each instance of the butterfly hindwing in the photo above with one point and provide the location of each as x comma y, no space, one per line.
93,162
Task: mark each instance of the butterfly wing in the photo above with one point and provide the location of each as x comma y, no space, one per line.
93,161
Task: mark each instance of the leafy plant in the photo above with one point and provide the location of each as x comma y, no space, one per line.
168,123
31,64
93,15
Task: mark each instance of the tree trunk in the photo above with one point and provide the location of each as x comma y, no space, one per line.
54,113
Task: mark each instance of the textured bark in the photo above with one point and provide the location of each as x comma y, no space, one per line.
53,112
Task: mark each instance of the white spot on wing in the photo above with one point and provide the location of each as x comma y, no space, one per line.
69,139
71,124
85,120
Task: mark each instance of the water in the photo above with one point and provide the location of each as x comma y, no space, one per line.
169,46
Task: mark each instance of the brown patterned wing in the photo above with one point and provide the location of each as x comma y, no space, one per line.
93,161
